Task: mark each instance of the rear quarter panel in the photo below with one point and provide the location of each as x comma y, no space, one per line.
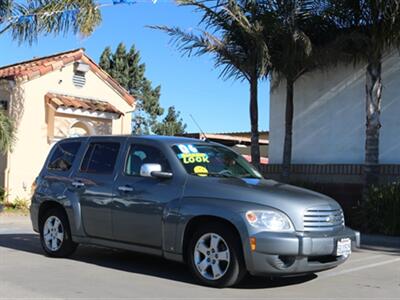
53,186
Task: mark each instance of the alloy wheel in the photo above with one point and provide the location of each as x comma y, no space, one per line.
211,256
53,233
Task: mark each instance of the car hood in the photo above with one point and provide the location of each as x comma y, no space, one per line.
291,200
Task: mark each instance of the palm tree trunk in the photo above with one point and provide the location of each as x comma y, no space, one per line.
373,89
255,148
287,147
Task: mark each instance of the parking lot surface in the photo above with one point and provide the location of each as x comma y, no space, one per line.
99,273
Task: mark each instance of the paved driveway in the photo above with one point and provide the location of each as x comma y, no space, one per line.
103,273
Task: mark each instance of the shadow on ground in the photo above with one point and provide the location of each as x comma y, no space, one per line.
138,263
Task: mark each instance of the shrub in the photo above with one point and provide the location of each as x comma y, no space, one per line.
2,196
380,213
21,204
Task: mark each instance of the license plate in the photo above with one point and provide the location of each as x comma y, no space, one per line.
343,247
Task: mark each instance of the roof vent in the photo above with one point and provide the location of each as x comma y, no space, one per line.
79,79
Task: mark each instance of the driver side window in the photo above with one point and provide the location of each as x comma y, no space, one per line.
143,154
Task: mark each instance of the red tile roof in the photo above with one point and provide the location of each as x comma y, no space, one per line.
57,100
37,67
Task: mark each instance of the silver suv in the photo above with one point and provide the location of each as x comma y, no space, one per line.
187,200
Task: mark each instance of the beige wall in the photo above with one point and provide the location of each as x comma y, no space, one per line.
29,112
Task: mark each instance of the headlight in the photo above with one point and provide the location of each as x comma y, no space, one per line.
269,220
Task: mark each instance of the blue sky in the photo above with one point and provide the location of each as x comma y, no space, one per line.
190,84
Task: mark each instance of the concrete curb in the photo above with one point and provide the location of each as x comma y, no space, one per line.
380,242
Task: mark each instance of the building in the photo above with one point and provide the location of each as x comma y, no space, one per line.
238,141
329,124
54,97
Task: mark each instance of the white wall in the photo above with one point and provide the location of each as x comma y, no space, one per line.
329,119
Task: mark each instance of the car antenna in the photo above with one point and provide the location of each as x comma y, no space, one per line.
198,126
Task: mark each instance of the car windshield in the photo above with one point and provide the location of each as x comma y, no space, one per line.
213,160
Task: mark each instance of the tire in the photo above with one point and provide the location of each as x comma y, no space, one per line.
208,268
55,234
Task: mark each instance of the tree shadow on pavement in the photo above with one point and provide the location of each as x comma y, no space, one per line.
138,263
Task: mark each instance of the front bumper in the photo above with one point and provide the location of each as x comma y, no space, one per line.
283,254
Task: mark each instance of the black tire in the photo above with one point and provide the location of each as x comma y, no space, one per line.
65,247
235,270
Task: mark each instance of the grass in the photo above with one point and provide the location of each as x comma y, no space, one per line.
19,206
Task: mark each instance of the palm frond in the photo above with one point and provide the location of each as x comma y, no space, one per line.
368,28
190,44
5,8
38,17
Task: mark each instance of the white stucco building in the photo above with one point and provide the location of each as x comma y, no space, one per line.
51,98
329,116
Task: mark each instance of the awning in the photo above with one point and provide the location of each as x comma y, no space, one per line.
66,104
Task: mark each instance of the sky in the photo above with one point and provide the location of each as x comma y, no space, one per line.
191,84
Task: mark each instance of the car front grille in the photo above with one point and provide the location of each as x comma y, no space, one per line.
323,218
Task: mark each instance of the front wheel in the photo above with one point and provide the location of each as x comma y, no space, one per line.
215,257
55,234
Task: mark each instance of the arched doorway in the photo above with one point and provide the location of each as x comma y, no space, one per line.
81,128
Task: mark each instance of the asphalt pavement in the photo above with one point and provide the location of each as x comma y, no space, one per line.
100,273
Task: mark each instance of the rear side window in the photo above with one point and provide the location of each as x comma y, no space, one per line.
100,158
63,156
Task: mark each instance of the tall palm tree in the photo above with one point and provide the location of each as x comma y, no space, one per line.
235,39
370,28
288,25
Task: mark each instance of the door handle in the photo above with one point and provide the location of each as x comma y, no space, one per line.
77,184
125,188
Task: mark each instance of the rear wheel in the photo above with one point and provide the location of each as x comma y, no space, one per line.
55,234
215,257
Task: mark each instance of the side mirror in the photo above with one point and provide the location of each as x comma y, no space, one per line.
154,170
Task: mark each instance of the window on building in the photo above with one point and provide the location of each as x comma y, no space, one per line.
143,154
63,156
100,158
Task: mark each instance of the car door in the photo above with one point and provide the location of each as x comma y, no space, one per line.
93,183
141,204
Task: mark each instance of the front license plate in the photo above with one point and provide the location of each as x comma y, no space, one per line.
343,247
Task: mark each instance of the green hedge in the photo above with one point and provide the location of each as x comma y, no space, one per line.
381,210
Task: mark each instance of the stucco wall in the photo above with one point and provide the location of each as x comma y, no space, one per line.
29,111
329,119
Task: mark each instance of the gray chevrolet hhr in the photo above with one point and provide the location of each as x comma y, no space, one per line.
187,200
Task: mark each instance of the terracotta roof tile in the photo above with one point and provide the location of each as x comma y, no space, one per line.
32,69
57,100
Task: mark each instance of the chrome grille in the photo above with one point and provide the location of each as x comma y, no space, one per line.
323,218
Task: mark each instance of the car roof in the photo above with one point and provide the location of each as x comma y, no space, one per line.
170,140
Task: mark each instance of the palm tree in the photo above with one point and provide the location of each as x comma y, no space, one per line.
27,21
289,25
235,40
369,29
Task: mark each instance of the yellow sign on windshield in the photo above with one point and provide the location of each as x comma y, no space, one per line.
191,158
200,171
